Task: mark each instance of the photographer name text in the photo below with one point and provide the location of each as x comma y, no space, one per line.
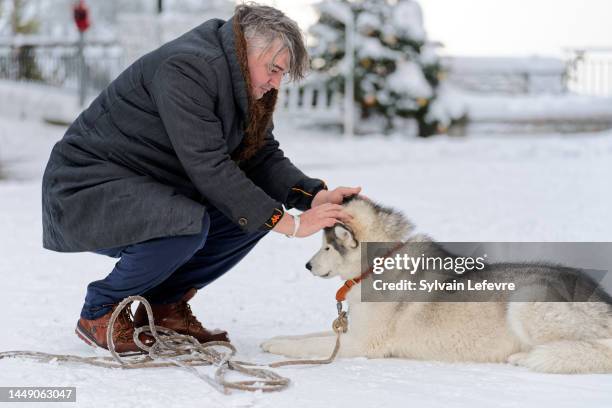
435,285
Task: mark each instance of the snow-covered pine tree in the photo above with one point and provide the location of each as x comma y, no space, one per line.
396,70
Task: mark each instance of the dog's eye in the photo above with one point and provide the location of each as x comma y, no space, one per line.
327,248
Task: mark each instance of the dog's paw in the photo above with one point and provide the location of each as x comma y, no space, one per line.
277,345
562,357
266,345
518,359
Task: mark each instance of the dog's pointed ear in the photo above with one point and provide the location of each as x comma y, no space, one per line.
345,236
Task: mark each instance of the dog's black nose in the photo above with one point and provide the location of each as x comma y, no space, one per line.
309,266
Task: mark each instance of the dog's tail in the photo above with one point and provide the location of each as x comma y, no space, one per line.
570,357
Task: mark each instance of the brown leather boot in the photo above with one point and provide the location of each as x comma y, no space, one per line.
179,317
93,332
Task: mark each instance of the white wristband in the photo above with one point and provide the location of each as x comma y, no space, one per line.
296,226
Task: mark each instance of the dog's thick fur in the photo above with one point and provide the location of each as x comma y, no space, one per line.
551,337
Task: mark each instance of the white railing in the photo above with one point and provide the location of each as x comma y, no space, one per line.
507,75
591,71
310,101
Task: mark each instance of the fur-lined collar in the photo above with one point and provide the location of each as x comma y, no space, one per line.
258,113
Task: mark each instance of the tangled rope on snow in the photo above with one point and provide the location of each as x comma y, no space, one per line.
172,349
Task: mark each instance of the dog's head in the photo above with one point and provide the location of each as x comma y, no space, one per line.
340,254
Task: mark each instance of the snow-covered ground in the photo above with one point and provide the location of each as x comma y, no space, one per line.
519,188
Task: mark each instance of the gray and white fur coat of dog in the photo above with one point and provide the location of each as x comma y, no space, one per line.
550,337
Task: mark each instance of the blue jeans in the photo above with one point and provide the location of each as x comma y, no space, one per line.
164,269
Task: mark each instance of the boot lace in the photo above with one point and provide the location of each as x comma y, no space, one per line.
124,326
190,319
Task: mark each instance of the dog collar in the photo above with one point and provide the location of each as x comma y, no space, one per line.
346,287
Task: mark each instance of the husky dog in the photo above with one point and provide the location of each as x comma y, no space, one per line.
550,337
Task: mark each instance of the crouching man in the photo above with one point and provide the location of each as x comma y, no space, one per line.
174,170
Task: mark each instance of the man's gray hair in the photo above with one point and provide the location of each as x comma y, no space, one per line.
263,25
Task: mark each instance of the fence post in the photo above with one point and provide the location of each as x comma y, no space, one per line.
349,82
82,70
81,19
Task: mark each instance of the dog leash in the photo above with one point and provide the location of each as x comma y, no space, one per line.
172,349
340,326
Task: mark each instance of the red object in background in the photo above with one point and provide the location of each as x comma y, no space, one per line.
81,16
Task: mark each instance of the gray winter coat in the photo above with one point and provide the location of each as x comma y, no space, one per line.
147,157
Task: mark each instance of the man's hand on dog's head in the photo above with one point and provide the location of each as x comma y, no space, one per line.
335,196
